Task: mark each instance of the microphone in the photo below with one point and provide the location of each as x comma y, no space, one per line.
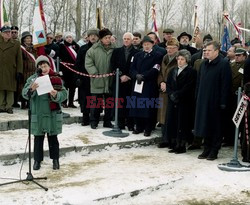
39,71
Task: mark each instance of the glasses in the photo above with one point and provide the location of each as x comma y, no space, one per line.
14,32
49,37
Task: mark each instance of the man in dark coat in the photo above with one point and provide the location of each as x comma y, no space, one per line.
83,82
213,89
184,39
181,83
137,41
144,70
157,48
11,69
167,35
121,58
52,50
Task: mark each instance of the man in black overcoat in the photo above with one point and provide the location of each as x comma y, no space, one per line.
213,89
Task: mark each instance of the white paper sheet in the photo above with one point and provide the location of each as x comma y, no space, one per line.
44,85
138,87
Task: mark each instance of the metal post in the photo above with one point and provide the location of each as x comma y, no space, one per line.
116,132
234,164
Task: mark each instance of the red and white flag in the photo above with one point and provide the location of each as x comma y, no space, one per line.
154,25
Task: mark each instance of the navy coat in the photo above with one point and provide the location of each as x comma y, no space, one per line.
214,85
145,66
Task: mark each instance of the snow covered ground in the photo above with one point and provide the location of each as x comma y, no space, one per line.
149,174
130,176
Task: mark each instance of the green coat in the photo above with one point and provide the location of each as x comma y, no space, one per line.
43,120
97,61
11,63
237,77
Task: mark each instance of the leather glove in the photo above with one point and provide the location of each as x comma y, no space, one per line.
78,82
19,77
139,78
174,97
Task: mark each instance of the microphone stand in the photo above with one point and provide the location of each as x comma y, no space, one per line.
29,177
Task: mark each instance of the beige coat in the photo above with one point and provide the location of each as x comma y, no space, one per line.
11,63
166,66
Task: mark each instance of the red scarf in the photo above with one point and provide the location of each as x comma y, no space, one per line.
56,82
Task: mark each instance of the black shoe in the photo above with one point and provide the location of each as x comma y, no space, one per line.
108,124
16,105
245,160
194,147
122,127
85,123
36,165
56,164
204,154
131,129
147,134
9,111
227,144
72,106
93,126
136,132
172,150
180,150
163,145
212,155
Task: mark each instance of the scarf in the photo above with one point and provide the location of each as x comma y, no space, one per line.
56,82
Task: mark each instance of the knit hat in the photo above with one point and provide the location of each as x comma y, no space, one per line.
104,32
173,42
147,39
42,59
207,38
25,34
93,31
68,33
184,34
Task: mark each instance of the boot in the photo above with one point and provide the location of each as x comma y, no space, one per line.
204,154
56,164
108,124
36,165
180,150
212,155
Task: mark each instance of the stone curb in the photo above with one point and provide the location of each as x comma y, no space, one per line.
88,148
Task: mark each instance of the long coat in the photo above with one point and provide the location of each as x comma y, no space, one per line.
180,117
43,120
118,60
213,89
145,66
11,63
166,67
97,61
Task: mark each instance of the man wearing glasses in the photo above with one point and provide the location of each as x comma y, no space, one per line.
14,32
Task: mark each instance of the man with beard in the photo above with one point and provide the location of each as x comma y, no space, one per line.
184,39
83,82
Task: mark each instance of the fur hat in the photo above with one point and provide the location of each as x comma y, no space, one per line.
25,34
42,59
93,31
68,33
207,38
104,32
184,34
173,42
147,39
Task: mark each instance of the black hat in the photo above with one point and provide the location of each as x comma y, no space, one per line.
184,34
207,37
168,30
235,40
104,32
147,39
14,28
5,28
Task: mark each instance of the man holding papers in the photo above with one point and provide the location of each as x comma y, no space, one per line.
47,94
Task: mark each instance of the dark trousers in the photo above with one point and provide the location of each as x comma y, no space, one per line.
96,110
53,147
212,143
143,124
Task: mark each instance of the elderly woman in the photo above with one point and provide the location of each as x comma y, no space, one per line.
181,83
68,51
29,55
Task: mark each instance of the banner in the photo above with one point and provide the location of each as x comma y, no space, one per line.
3,14
39,26
154,25
225,44
196,34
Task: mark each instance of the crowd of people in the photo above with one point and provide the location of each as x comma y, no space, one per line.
191,93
